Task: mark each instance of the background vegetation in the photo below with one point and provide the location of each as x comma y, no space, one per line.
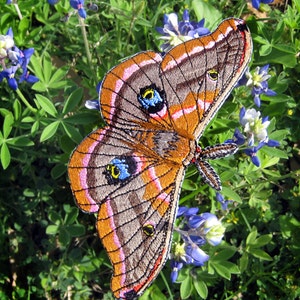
50,250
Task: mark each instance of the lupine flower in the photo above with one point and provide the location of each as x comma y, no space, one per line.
12,59
254,126
94,104
195,231
213,229
224,203
6,43
259,84
9,74
252,151
238,138
256,132
256,3
78,4
174,32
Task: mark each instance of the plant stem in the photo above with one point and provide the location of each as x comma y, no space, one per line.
18,11
27,104
86,45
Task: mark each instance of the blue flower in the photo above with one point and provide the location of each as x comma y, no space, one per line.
252,153
224,203
238,138
175,266
195,255
175,32
255,128
195,231
13,59
259,84
256,3
9,74
94,104
28,78
78,4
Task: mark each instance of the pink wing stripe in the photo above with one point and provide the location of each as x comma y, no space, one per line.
162,196
196,50
201,104
117,242
83,173
127,74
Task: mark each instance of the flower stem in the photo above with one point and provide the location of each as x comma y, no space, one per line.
86,44
27,104
18,11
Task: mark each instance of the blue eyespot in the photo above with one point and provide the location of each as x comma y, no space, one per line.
151,99
120,169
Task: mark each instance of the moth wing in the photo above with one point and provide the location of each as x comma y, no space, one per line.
94,163
136,227
198,75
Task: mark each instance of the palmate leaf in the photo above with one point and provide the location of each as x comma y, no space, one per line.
49,131
5,156
201,288
47,105
72,101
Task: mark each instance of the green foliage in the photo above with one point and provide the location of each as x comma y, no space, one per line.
50,250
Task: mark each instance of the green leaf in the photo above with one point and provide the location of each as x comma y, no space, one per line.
186,288
189,185
84,118
39,86
72,133
224,254
64,236
17,109
47,67
201,288
229,193
51,229
203,9
37,68
49,131
58,75
265,50
278,57
276,153
271,161
72,101
244,260
71,216
58,170
5,156
23,25
258,253
47,105
55,217
7,125
262,240
251,237
222,270
288,225
20,141
76,230
58,84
